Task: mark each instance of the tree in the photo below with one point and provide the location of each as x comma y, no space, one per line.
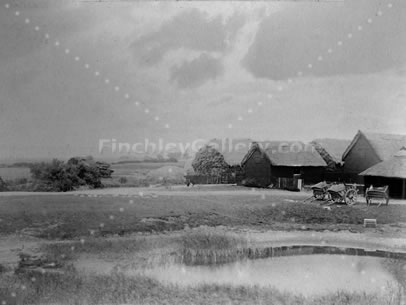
209,161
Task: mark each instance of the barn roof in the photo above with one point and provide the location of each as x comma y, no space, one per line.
334,147
394,167
254,146
272,147
384,145
281,146
296,159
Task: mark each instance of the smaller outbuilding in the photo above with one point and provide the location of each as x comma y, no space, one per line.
308,164
279,162
391,172
256,167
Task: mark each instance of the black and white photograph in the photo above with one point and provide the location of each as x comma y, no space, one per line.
182,152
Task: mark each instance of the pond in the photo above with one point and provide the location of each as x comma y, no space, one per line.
302,274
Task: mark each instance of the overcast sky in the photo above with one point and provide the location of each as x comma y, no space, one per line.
197,70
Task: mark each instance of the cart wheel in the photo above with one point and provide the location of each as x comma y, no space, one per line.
350,197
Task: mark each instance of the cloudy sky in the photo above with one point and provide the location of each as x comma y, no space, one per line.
74,72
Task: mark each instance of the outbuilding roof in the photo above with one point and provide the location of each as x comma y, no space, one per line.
394,167
296,159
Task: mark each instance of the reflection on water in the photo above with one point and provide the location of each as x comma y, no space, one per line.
307,275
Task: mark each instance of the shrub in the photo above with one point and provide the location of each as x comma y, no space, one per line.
61,176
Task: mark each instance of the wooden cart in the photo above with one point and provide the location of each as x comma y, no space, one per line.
343,193
380,194
320,191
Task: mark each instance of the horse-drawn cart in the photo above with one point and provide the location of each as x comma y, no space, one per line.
377,193
343,193
320,191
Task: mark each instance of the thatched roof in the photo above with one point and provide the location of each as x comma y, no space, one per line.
333,148
281,146
233,150
254,147
384,145
394,167
296,159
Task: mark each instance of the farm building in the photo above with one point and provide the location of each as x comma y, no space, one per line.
274,164
391,172
257,167
308,163
368,149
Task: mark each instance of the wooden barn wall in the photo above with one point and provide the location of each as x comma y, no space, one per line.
309,174
258,168
360,157
313,174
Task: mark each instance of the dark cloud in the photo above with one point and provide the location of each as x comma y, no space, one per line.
196,72
193,30
291,39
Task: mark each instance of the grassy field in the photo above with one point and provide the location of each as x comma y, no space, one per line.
69,216
12,173
98,219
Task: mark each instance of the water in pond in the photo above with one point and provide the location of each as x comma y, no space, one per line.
307,275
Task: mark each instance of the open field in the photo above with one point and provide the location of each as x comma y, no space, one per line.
138,174
141,168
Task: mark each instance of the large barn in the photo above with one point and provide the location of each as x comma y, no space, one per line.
391,172
368,149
